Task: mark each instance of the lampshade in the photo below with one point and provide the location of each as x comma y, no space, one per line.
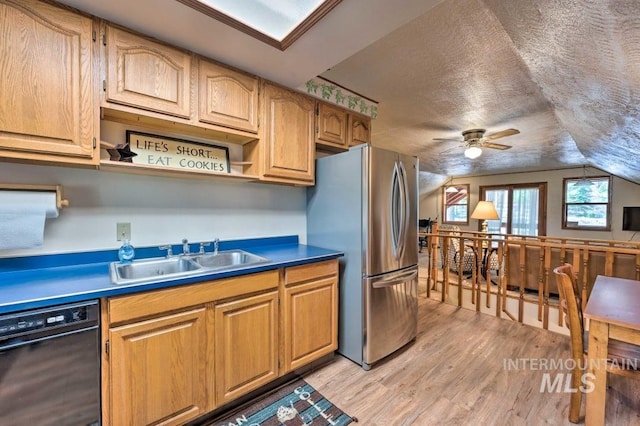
472,152
451,189
485,210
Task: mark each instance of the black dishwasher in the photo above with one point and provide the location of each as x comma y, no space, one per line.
50,366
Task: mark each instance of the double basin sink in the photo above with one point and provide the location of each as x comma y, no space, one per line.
156,269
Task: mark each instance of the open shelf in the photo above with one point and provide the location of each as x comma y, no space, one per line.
121,167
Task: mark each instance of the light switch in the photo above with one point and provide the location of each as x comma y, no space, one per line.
123,230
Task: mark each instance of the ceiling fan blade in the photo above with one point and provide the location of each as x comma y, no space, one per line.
447,140
448,150
502,134
495,146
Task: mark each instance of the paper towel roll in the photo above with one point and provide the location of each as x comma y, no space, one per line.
22,217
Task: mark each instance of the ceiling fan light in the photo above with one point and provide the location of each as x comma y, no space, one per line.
472,152
584,182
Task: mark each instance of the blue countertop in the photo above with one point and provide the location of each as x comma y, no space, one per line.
41,281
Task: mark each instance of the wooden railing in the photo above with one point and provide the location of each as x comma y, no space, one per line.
524,275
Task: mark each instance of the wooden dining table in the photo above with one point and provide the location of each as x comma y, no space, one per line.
613,310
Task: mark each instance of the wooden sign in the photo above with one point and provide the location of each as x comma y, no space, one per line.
175,153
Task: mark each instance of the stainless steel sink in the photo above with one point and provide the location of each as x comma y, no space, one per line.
152,269
227,259
158,269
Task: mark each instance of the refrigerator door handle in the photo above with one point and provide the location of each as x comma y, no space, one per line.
395,279
394,213
404,207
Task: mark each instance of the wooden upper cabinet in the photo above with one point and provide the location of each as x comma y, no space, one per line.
226,97
331,126
148,75
46,86
288,139
359,129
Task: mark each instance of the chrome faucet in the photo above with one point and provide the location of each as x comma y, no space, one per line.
185,247
202,246
168,248
216,242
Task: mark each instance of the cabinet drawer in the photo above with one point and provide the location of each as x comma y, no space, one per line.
125,308
302,273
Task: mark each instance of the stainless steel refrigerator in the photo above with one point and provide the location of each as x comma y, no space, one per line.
364,203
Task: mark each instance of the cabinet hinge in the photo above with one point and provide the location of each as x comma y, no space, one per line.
94,143
104,85
94,35
104,39
106,347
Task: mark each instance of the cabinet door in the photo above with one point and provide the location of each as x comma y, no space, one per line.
227,98
310,316
148,75
359,129
288,135
246,345
158,370
46,90
331,126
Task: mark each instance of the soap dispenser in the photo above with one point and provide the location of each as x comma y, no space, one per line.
126,252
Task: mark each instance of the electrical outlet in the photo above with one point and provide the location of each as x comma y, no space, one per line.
123,231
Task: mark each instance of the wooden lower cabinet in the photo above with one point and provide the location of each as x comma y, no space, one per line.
246,341
158,370
174,354
309,313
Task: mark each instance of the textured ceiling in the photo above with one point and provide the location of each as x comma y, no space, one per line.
566,73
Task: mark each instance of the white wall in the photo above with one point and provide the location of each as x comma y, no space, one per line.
161,210
624,193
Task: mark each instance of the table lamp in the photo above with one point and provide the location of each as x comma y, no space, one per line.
485,210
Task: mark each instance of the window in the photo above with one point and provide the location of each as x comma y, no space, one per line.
277,23
521,208
455,205
586,203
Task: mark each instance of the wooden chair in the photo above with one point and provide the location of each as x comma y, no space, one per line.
618,352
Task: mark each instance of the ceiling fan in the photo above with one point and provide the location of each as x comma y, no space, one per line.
474,140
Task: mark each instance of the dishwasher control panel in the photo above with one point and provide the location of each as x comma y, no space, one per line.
16,324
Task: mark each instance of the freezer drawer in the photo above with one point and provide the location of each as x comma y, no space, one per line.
390,313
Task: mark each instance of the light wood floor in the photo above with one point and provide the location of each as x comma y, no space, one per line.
454,374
